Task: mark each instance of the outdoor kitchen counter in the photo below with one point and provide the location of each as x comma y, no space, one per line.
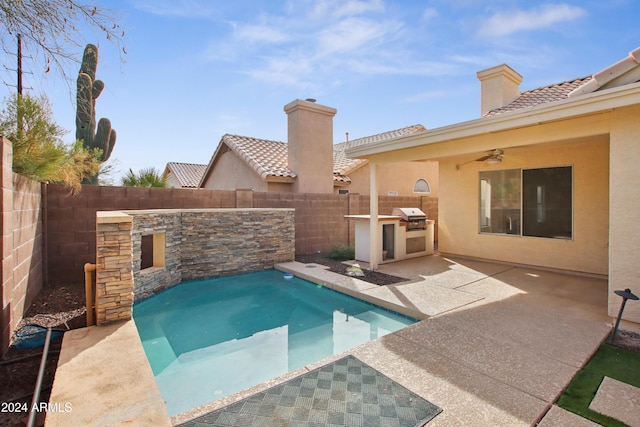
368,217
395,240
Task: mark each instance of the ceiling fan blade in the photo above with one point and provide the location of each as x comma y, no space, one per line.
482,159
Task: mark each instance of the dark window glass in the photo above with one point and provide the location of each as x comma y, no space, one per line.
547,205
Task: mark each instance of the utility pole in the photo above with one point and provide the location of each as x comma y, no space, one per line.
20,64
19,123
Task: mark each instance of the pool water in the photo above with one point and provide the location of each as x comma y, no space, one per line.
209,338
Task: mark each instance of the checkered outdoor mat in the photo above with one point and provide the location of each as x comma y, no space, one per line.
346,392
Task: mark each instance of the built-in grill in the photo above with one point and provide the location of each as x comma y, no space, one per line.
413,217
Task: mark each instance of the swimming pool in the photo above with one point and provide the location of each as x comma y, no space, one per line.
209,338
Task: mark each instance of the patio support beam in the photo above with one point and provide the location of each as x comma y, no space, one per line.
373,220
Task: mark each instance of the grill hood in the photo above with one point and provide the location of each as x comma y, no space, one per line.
409,213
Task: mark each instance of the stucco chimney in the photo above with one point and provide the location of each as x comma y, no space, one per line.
310,145
498,87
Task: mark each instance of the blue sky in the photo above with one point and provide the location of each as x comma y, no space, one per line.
197,69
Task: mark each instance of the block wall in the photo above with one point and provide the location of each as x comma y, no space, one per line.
319,218
22,244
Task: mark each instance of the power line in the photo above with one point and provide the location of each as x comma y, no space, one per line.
19,70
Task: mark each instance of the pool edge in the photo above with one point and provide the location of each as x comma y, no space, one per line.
351,286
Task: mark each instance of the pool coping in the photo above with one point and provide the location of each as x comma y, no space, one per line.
95,385
352,286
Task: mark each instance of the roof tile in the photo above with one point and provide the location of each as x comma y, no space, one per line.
542,95
269,158
187,174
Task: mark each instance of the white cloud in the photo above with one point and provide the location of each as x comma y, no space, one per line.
343,41
355,7
260,34
428,14
505,23
339,8
350,35
292,70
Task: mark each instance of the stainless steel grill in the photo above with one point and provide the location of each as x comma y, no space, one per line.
413,217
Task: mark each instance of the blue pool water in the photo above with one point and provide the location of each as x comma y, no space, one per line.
210,338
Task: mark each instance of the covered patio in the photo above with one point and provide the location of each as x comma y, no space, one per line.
588,135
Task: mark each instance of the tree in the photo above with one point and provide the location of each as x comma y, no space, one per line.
50,29
148,177
38,150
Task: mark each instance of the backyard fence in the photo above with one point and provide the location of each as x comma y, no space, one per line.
70,220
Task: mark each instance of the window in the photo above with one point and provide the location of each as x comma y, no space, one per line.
528,202
152,251
500,201
421,186
547,203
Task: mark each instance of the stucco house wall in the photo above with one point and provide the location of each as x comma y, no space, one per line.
231,172
586,252
398,177
172,181
624,210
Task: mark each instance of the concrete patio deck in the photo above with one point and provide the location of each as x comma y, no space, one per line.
498,345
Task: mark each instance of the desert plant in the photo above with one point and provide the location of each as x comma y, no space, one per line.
148,177
342,252
89,89
38,150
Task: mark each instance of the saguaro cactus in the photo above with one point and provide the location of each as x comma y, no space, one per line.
88,90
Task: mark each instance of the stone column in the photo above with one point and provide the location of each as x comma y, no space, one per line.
114,267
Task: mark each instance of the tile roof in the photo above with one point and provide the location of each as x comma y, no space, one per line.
187,174
542,95
269,158
342,165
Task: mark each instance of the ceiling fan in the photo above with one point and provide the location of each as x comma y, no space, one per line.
493,157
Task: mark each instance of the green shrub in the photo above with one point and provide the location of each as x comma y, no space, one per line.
342,252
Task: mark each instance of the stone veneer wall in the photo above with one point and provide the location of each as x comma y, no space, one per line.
114,267
198,244
235,241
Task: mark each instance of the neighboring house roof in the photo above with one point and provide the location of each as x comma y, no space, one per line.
187,174
269,158
542,95
343,166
